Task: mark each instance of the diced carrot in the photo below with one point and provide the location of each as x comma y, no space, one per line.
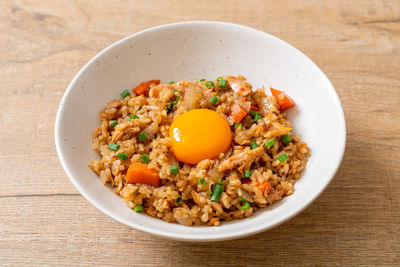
282,99
264,186
143,88
140,173
254,107
237,113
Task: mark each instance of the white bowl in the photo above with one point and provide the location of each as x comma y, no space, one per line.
195,50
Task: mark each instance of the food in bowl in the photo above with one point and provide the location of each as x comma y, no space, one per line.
198,153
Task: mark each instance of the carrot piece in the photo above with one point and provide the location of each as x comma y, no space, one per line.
254,107
264,186
282,99
139,173
237,113
143,88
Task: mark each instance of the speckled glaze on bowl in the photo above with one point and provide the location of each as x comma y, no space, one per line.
195,50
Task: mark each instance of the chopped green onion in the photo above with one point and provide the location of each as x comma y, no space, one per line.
283,157
113,146
214,100
179,93
171,105
220,180
247,174
202,80
238,124
246,203
210,192
219,78
138,208
113,123
256,116
217,192
209,84
201,181
253,145
270,143
133,116
178,200
286,139
122,156
142,137
145,158
171,82
222,84
174,169
140,108
125,93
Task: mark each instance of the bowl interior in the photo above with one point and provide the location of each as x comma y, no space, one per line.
196,50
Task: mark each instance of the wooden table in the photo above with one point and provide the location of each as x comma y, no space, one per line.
43,219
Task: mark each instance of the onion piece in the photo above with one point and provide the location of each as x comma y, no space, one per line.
246,106
150,130
244,194
192,97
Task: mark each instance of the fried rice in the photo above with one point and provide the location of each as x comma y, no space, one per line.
261,166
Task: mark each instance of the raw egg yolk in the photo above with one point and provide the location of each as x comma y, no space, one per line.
199,134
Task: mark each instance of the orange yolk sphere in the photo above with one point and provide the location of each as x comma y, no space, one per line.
199,134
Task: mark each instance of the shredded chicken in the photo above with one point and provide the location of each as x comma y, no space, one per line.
244,137
121,128
262,102
155,91
205,100
199,199
276,129
242,159
114,104
266,158
162,91
240,86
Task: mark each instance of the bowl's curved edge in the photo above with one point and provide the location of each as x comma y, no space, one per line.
181,237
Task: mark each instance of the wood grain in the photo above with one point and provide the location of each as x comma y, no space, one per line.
43,219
